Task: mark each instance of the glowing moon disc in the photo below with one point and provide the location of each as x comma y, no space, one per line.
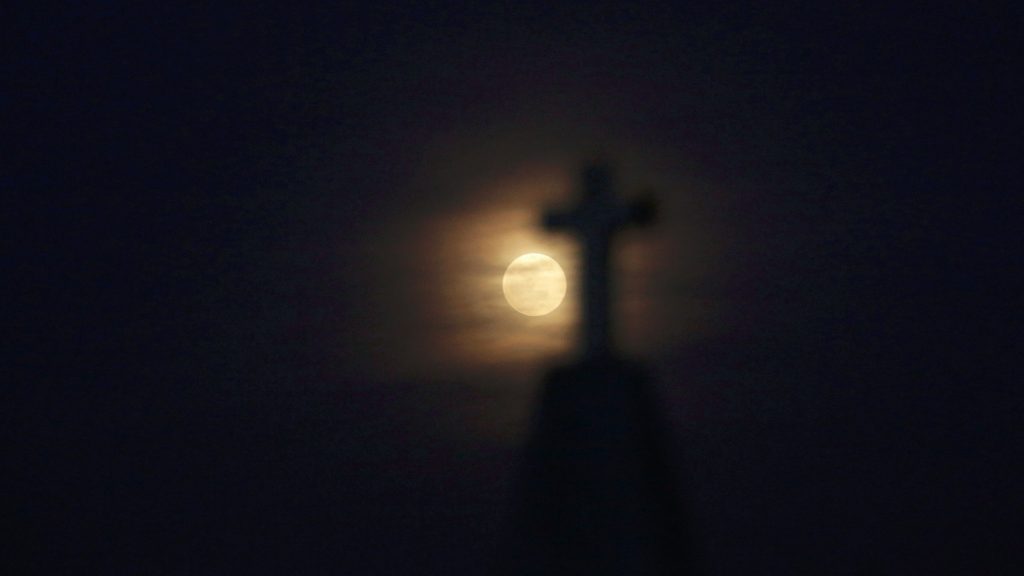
534,284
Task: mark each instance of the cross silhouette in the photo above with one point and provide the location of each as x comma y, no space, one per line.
595,220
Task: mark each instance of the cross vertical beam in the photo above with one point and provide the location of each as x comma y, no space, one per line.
595,220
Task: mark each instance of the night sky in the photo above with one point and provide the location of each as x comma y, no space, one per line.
252,274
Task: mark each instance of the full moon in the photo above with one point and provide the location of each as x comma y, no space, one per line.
534,284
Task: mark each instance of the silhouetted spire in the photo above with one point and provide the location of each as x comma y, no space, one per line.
598,490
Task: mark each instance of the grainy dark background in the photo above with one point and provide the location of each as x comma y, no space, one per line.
177,182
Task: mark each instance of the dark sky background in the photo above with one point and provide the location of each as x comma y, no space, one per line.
230,331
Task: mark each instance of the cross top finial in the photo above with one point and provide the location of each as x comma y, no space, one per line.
597,180
595,220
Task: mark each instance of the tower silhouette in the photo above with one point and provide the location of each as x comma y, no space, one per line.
597,491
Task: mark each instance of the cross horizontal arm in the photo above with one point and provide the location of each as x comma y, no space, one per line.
561,220
642,211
